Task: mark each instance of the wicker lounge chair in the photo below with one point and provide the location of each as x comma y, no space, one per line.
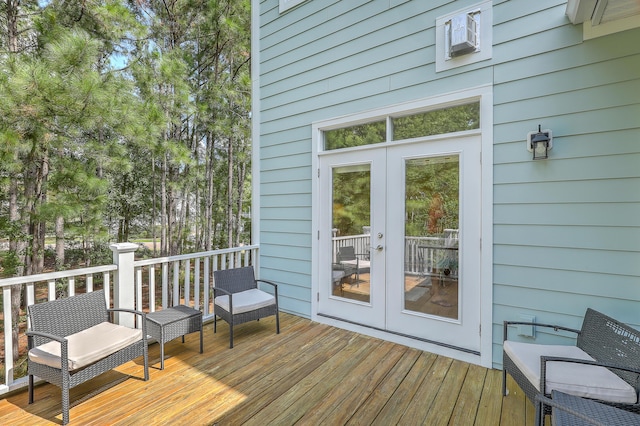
72,340
237,299
603,366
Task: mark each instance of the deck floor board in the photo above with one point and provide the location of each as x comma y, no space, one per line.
309,374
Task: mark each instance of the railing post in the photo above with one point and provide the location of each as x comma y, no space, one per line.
123,281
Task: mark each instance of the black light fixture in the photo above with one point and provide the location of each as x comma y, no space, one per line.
539,143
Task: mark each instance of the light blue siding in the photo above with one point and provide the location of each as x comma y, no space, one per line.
566,230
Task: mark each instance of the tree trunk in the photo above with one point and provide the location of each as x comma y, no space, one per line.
230,194
59,242
209,202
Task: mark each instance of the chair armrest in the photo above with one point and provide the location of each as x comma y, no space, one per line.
131,311
221,290
268,282
550,402
555,327
271,283
545,359
143,317
32,334
64,346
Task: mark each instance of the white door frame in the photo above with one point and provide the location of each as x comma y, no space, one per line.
485,95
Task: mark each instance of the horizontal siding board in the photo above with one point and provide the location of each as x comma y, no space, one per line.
294,242
569,192
293,136
599,50
574,304
537,44
277,162
584,214
568,80
291,172
291,187
587,122
271,258
290,213
507,11
285,200
589,99
595,261
292,226
538,18
295,306
619,142
579,237
327,74
605,286
586,168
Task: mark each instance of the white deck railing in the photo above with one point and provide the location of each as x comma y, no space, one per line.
183,279
421,254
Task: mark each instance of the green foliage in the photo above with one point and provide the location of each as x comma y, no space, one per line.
351,201
431,196
124,117
364,134
437,122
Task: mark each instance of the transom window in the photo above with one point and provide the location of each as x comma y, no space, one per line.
451,119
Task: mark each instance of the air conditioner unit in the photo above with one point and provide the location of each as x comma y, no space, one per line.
462,34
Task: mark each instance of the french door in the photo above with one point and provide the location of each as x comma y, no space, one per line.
399,239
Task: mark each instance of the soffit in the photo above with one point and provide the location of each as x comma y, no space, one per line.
601,11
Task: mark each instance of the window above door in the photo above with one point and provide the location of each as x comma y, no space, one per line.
405,126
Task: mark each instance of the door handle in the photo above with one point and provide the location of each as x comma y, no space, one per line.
378,247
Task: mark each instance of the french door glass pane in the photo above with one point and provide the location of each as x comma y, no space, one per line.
351,218
431,257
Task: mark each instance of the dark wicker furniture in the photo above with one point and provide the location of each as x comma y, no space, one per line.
237,299
612,344
569,410
58,319
171,323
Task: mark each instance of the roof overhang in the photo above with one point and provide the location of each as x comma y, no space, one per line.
601,11
603,17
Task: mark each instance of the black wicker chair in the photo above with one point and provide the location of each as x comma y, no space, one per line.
237,299
601,342
67,321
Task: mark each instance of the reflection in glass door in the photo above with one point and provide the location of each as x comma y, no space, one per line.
431,236
351,219
433,290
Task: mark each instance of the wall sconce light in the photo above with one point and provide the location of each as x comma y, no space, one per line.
539,143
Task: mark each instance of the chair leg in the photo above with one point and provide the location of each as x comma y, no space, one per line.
145,356
504,381
65,400
230,336
30,388
215,322
277,322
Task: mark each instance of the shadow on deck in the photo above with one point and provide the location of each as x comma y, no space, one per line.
309,374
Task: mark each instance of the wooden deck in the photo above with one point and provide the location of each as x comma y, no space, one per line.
310,374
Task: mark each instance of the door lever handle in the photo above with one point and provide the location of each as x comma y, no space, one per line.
378,247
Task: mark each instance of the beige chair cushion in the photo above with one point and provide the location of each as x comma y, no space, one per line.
576,379
87,346
246,301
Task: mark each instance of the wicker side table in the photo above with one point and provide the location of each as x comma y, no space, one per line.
173,322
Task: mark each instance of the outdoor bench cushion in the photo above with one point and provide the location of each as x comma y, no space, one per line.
246,301
87,346
587,381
